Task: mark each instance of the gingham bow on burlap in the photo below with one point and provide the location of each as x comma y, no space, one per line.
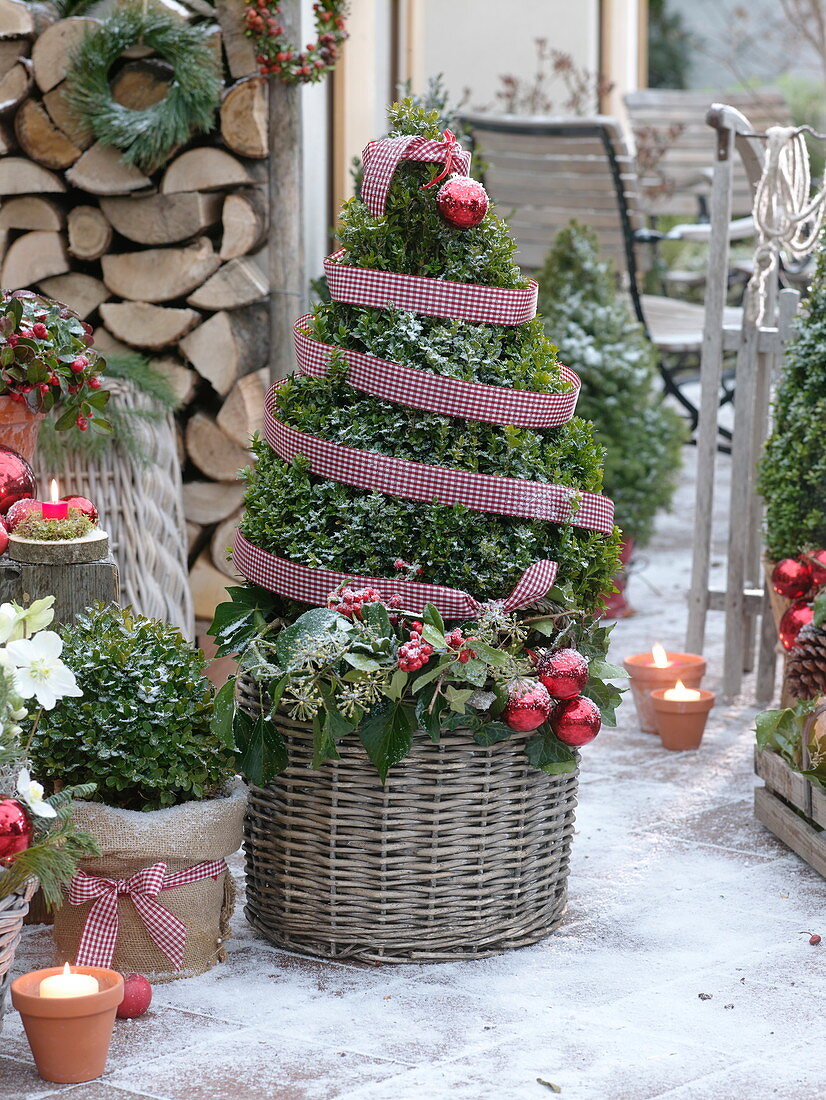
100,933
381,158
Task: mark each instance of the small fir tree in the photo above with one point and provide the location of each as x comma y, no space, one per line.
793,467
596,335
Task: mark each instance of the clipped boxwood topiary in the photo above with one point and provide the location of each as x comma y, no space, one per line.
141,729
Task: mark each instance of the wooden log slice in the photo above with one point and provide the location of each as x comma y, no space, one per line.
90,234
244,221
11,51
181,379
221,541
238,283
142,325
162,219
31,212
65,119
142,84
208,586
15,86
100,171
33,257
244,117
214,453
242,414
229,345
239,49
16,20
53,49
160,274
204,169
19,176
208,502
41,139
81,293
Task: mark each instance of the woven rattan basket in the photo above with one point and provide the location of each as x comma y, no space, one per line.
463,853
13,909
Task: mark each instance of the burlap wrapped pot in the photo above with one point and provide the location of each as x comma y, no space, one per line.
181,837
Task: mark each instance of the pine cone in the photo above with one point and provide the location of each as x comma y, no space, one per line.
806,667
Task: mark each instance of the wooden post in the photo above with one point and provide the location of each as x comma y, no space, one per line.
75,587
286,225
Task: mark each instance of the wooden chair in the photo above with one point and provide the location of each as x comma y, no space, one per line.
543,172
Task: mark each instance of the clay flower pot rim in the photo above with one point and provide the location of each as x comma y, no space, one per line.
682,706
641,664
25,994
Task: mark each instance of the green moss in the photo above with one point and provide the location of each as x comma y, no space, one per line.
75,526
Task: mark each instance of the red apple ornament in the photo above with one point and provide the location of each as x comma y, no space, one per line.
15,828
818,567
16,479
564,673
462,202
800,614
528,705
20,510
137,996
577,721
84,506
792,578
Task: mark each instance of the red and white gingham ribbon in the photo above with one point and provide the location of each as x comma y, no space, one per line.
100,933
365,286
380,159
505,496
433,393
312,586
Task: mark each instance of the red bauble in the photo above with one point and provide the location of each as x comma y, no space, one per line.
83,505
528,705
137,996
564,673
15,828
819,569
4,539
577,722
20,510
799,615
792,578
16,479
462,202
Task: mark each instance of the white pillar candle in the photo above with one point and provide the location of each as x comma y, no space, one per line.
68,984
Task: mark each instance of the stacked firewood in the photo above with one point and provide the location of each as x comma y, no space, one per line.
171,265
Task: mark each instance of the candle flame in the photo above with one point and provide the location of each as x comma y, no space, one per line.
55,499
681,694
660,656
66,969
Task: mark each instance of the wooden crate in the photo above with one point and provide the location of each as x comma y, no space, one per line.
792,808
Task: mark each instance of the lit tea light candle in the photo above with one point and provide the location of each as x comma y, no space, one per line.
660,668
55,508
681,694
68,984
659,656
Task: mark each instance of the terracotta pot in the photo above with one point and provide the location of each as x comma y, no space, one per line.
69,1036
19,427
616,605
681,722
645,677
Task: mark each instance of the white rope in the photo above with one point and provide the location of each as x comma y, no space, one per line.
786,216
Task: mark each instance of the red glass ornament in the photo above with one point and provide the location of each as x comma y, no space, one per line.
83,505
137,996
4,539
564,673
528,705
462,202
20,509
577,721
818,568
17,480
798,615
15,828
792,578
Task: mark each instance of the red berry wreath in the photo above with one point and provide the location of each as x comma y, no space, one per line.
278,57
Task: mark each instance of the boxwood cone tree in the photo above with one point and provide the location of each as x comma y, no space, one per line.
329,524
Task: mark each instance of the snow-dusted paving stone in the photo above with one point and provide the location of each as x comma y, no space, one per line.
797,1073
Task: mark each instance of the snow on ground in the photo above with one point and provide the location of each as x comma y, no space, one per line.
675,891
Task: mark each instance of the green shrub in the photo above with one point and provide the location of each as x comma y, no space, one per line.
141,729
592,325
793,467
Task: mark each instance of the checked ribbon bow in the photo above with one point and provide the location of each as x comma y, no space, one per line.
100,933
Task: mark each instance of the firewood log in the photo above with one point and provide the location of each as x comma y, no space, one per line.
33,257
16,19
90,234
143,325
30,212
101,171
142,84
64,118
53,49
15,85
81,293
181,379
214,453
106,343
229,345
221,539
208,502
244,221
11,50
244,117
19,176
194,536
238,283
204,169
160,274
208,586
239,49
8,142
162,219
242,414
41,139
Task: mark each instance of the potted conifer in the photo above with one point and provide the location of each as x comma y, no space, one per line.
427,550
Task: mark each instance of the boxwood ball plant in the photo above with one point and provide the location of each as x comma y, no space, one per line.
141,730
361,665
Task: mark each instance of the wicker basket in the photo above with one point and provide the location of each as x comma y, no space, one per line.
462,854
13,909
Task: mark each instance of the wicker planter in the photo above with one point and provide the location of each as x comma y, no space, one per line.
462,854
13,909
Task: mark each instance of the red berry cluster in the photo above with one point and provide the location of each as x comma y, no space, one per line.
456,640
277,57
407,566
350,601
415,653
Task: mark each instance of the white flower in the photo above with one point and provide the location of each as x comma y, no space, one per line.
11,619
39,672
39,614
32,794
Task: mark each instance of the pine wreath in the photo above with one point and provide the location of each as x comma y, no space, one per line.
145,137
